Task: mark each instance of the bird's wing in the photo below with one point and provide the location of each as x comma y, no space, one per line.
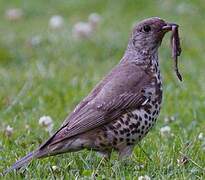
119,91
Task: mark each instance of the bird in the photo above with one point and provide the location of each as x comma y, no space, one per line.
122,108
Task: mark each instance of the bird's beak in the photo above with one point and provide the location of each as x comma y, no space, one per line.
169,26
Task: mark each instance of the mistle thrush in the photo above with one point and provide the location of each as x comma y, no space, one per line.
123,107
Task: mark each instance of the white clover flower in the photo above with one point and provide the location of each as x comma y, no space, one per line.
165,131
139,167
201,136
35,41
169,119
13,14
173,118
82,30
55,168
56,22
9,131
145,177
94,19
27,126
166,119
47,123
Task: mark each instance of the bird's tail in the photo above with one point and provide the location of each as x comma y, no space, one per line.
43,152
21,162
39,153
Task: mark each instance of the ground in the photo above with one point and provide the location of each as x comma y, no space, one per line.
51,77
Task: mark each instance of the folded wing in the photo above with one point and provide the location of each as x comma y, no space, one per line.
119,92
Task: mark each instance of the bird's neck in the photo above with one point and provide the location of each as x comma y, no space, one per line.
146,56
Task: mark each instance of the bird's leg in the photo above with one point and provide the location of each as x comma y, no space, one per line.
124,155
125,152
105,155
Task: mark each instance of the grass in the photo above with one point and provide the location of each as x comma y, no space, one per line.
51,78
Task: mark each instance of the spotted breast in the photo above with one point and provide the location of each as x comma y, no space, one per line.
123,133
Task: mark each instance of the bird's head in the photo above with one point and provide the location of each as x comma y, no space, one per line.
147,36
149,33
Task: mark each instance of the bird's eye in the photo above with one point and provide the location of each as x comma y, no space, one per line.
146,28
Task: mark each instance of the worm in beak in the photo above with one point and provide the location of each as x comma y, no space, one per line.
175,45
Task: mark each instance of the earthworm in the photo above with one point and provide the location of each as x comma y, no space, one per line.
176,49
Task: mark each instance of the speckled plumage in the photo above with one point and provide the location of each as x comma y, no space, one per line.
123,133
122,108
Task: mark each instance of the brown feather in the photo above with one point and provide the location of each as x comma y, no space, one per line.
118,92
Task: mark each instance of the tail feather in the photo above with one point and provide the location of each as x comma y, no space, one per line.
29,157
43,152
20,163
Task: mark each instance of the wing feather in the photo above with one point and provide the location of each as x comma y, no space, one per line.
118,92
95,118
